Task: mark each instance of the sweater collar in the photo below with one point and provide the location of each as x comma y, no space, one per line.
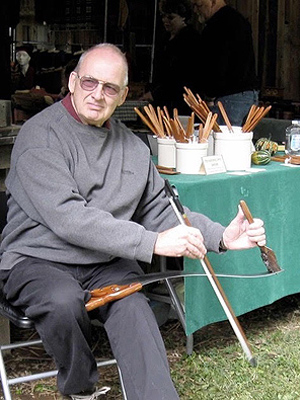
67,103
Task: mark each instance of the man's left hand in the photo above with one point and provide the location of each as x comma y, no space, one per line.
239,234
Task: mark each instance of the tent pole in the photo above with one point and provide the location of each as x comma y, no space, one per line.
105,21
153,41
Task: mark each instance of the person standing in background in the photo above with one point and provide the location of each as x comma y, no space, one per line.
23,74
175,60
227,70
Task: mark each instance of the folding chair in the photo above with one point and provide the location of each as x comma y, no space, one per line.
173,299
16,316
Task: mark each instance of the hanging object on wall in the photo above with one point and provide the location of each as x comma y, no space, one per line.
123,14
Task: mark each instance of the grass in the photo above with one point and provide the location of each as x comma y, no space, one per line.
217,369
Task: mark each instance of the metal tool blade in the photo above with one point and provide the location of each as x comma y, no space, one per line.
269,258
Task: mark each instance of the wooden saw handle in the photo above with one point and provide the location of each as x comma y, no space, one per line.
105,295
246,211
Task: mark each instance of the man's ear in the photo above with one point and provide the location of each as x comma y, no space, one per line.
124,95
71,83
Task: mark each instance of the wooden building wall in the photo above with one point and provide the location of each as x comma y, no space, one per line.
276,35
288,48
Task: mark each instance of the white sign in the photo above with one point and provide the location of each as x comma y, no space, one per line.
213,165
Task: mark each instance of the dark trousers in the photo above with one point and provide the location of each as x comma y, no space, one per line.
236,105
54,294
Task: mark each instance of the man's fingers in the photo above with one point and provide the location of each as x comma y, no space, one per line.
194,247
256,232
182,241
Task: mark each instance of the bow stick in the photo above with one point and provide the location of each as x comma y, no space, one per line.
183,219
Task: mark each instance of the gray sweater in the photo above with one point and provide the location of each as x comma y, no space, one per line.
79,194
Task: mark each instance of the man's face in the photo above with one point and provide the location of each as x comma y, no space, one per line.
203,8
95,106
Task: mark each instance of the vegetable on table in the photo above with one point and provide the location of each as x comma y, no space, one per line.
266,144
261,157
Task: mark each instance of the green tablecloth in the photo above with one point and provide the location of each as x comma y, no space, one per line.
274,196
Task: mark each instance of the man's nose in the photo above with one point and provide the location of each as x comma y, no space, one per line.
98,91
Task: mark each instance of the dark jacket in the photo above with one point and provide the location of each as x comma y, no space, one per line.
228,62
173,69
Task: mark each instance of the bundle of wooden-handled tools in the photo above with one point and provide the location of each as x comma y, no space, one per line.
201,109
163,125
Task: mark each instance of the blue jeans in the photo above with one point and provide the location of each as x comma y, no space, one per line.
236,105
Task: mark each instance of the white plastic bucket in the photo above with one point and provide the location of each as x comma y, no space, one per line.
189,157
235,148
166,150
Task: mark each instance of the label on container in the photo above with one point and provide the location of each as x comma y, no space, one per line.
295,142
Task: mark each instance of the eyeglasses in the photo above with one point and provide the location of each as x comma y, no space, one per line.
89,84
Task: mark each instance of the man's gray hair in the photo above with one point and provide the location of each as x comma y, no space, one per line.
108,46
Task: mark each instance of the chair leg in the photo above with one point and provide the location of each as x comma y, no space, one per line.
6,382
177,306
189,344
3,377
122,383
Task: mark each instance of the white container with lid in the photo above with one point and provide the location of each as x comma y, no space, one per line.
235,148
189,157
166,152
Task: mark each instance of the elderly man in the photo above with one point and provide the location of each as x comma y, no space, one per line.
228,70
85,204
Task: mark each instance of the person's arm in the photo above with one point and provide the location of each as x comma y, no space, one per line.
189,242
156,214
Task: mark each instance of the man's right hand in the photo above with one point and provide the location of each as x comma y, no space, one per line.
180,241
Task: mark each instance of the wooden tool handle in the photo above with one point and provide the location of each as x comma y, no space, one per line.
246,211
110,293
146,122
223,112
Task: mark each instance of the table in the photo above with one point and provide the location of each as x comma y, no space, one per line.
273,128
274,196
7,138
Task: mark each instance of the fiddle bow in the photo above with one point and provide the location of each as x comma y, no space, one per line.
183,219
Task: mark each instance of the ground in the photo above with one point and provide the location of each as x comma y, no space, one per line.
273,331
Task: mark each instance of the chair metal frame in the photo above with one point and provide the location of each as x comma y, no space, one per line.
16,316
175,302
